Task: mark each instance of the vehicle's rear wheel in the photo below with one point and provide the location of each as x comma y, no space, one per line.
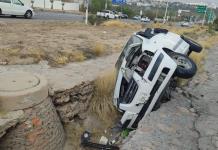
186,67
28,14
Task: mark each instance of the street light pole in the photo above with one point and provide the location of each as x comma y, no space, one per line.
87,11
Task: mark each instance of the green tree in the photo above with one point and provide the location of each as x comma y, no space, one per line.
98,5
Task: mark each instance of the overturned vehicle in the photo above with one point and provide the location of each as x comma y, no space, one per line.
146,68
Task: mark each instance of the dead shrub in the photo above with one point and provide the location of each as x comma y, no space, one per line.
98,49
120,24
102,103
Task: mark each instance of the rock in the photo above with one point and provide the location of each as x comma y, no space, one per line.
103,140
9,120
74,102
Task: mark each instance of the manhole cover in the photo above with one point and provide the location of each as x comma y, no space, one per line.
14,82
20,90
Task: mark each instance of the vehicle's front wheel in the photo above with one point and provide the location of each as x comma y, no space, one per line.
28,14
186,67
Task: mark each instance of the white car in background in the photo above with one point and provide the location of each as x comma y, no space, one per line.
15,8
107,14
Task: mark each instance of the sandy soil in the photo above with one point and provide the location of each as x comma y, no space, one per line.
28,42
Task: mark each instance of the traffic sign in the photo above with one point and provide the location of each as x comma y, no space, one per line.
201,9
118,2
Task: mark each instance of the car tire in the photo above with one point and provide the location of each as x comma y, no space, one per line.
186,68
13,16
0,11
194,46
28,14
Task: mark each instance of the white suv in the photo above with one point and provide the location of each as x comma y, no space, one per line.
145,69
15,8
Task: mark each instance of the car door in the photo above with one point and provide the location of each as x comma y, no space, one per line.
18,7
6,6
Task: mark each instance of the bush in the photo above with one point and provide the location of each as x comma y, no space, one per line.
94,20
98,49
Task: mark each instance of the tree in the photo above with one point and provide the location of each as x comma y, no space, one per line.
97,5
52,2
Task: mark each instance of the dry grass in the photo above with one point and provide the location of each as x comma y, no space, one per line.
98,49
102,103
120,24
65,57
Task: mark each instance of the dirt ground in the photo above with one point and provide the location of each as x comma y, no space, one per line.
28,42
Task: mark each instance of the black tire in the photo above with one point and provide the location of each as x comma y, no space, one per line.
0,11
194,46
28,14
13,16
186,67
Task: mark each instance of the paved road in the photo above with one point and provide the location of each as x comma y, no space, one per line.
43,15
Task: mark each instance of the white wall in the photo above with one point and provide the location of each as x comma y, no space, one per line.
71,6
56,5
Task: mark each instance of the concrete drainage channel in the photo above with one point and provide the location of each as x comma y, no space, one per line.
38,126
31,118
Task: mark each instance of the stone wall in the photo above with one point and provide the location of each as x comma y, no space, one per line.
73,103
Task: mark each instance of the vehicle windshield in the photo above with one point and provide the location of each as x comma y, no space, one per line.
134,41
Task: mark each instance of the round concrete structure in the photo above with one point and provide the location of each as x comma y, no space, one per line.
41,128
20,90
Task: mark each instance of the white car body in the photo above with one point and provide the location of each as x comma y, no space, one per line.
107,14
14,7
142,94
145,19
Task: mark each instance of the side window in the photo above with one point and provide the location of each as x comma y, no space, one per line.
5,1
17,2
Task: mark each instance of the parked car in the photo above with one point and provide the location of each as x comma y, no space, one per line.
145,71
136,18
146,19
123,16
15,8
107,14
186,24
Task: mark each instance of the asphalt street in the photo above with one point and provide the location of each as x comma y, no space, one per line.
43,15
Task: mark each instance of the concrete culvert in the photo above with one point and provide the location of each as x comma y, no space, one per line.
41,128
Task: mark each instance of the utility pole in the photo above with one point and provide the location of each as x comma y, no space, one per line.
165,15
87,11
44,4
